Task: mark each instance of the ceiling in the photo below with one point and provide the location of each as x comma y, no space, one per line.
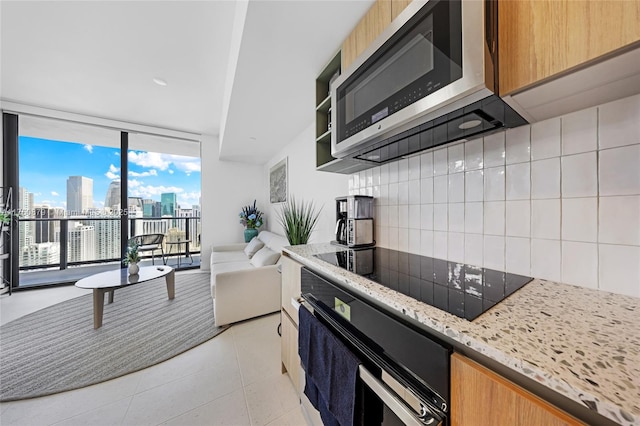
240,70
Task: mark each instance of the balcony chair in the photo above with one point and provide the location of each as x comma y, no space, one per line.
150,242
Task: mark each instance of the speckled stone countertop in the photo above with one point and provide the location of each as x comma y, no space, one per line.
582,343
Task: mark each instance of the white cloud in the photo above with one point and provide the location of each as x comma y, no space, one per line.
152,172
133,183
117,154
113,173
54,194
150,191
88,148
149,159
162,162
170,172
188,199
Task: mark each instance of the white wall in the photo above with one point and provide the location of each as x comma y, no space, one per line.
558,200
226,187
305,183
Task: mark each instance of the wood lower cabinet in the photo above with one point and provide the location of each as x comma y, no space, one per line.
289,350
540,39
289,321
481,397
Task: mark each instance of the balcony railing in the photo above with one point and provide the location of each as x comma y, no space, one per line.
50,247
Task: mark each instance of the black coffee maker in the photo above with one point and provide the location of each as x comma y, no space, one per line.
354,221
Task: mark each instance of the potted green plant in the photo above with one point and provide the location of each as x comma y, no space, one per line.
132,258
298,219
251,219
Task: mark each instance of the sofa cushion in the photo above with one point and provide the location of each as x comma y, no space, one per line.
252,248
274,241
264,257
227,256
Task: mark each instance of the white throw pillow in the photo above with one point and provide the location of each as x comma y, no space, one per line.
252,248
264,257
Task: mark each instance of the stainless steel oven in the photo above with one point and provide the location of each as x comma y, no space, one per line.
404,373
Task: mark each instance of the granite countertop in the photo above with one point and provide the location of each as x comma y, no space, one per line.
582,343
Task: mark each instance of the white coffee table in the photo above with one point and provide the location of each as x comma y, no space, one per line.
110,281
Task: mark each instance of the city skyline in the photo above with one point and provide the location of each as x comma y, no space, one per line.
46,165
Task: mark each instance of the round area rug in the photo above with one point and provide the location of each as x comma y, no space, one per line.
57,349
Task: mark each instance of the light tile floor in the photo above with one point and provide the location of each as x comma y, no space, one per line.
233,379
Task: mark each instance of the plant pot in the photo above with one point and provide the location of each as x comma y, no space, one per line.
133,269
249,233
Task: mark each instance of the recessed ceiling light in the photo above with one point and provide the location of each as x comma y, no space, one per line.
159,81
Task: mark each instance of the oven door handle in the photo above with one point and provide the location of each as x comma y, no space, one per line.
400,409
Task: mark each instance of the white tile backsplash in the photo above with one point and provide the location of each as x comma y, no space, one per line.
545,139
494,217
426,213
618,123
414,168
580,219
440,189
619,269
473,155
426,191
580,132
545,219
518,181
494,181
440,217
580,175
619,171
456,188
440,162
620,220
518,145
580,264
518,255
426,165
456,217
473,249
474,185
494,150
518,218
414,192
474,218
456,246
546,259
494,252
456,158
545,178
403,192
557,200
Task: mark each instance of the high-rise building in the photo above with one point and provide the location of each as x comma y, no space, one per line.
157,209
107,234
82,243
27,231
169,203
112,200
79,195
147,207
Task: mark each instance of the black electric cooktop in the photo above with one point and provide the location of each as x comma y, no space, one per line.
460,289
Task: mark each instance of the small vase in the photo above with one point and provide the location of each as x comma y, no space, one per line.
133,268
249,233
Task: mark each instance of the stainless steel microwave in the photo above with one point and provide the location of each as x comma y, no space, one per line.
428,79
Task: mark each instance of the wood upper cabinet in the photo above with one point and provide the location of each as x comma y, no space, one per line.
539,39
398,6
481,397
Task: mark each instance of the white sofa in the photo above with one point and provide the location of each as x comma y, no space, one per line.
241,290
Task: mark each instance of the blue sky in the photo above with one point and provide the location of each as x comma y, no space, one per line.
45,166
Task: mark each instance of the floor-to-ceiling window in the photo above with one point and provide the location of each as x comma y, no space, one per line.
70,204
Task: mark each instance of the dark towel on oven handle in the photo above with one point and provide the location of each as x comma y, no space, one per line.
331,371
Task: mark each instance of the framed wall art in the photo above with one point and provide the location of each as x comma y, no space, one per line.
278,182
